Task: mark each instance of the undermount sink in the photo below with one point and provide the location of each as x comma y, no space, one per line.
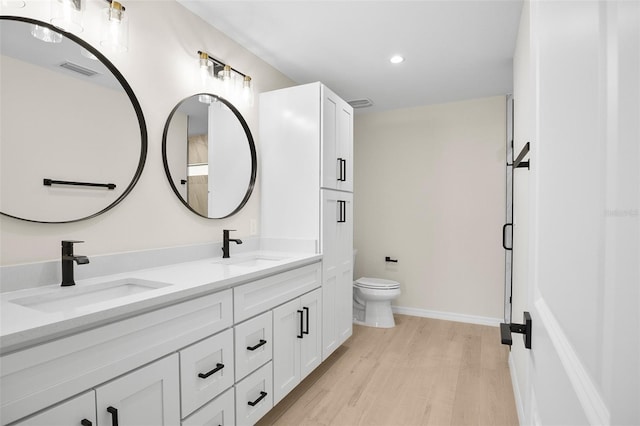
256,261
70,298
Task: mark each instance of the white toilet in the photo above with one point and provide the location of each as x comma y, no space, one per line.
372,301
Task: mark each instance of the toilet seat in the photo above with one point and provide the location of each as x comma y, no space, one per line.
376,283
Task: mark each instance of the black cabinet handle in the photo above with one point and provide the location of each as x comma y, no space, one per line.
261,343
307,322
260,398
342,170
504,236
300,336
114,415
85,422
342,211
215,370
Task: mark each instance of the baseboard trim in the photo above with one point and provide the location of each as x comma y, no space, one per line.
448,316
595,409
516,390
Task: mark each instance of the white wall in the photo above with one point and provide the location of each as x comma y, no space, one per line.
162,68
430,191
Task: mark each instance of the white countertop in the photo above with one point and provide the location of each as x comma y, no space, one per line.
24,323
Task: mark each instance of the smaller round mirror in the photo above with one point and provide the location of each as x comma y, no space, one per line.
209,156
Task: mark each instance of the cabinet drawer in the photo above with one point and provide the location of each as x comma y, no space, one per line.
206,370
261,295
253,344
72,412
220,411
254,396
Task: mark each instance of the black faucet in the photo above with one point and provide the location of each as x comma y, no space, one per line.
67,262
225,242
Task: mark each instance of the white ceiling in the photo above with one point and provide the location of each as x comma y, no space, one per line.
454,49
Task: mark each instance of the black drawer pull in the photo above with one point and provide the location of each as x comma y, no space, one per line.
114,416
253,348
85,422
307,312
215,370
260,398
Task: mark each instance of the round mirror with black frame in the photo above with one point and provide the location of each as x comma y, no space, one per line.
209,156
73,139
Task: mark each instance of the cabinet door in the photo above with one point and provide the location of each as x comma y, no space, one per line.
148,396
344,286
80,410
287,331
311,342
330,270
337,142
337,269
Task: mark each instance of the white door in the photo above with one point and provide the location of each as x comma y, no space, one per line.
311,342
581,110
287,331
148,396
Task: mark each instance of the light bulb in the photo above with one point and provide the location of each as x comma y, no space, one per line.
115,28
67,14
45,34
247,91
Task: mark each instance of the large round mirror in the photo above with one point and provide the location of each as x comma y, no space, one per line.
73,140
209,156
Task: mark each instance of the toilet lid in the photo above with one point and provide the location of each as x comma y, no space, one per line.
377,283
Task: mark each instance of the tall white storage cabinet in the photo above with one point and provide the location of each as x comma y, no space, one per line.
306,149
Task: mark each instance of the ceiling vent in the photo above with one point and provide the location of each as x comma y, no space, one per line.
79,69
361,103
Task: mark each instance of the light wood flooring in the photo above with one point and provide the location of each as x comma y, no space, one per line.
422,372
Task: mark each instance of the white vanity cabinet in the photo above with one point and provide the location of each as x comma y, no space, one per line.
148,396
306,137
189,363
41,376
297,342
79,411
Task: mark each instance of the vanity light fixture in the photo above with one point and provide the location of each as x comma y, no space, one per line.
115,27
227,75
67,14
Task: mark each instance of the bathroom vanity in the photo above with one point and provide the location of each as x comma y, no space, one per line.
192,343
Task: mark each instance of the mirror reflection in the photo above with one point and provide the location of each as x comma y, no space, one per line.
73,139
209,156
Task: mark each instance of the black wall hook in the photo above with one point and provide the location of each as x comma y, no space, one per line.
507,329
388,259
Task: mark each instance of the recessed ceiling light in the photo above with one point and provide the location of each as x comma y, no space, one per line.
396,59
